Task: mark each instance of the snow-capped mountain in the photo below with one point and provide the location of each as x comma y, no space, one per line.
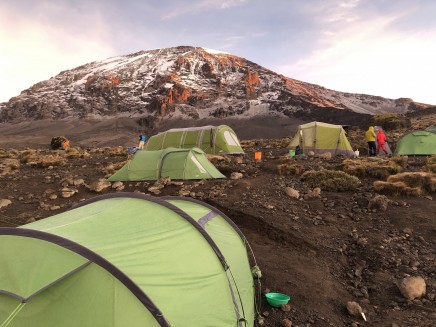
186,82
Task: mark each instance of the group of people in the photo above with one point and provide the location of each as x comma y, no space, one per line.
371,138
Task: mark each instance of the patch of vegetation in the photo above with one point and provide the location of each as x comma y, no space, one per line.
76,153
412,184
47,161
392,121
431,164
373,167
331,180
290,169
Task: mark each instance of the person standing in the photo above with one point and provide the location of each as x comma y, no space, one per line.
381,140
370,138
142,140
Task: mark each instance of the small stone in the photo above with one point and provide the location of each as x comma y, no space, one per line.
236,175
412,287
286,323
5,203
285,307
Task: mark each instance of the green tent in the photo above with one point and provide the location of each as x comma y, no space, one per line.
431,129
170,162
127,259
417,143
211,139
322,137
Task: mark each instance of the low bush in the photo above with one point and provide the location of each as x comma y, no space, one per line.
330,180
431,164
415,183
372,167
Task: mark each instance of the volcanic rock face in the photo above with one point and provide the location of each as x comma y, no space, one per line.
185,82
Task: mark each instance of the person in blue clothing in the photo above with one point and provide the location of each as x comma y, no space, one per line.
142,140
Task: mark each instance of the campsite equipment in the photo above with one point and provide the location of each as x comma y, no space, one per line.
127,259
258,156
417,143
59,142
277,299
211,139
292,153
320,138
170,162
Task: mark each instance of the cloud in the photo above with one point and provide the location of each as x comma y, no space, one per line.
37,48
201,6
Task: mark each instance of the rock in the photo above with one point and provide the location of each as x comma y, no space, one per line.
99,185
310,153
236,175
78,182
286,323
52,196
412,287
315,193
285,307
325,155
292,192
265,313
68,192
4,203
117,185
354,308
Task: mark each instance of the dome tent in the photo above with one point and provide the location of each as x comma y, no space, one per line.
127,259
211,139
320,138
171,162
417,143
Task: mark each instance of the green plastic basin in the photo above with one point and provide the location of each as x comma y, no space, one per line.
277,299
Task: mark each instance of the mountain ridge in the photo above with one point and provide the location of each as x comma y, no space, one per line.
184,83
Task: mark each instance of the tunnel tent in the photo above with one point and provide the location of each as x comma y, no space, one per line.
211,139
186,164
127,259
320,138
417,143
431,129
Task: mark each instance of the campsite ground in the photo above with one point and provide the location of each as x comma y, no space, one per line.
322,249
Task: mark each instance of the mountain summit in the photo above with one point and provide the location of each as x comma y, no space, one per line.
182,82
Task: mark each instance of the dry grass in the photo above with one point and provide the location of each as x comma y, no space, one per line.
73,153
47,161
431,164
112,168
412,184
28,155
9,166
379,202
330,180
290,169
373,167
4,153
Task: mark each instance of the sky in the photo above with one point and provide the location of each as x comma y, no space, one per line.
378,47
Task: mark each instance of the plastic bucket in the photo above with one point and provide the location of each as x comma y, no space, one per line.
258,156
277,299
292,153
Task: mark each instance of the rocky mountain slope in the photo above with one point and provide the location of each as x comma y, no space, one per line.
182,82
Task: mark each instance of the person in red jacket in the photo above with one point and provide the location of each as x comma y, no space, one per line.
381,140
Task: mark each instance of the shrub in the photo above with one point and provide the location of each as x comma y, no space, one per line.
371,167
415,183
330,180
49,160
290,169
379,202
431,164
392,121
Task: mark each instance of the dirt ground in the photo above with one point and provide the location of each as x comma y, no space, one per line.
322,250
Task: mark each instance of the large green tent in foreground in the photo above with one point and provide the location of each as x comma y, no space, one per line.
417,143
127,259
170,162
211,139
322,137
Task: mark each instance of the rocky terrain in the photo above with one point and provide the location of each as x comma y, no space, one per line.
184,82
336,234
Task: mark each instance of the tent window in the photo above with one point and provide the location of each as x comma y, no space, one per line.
231,138
198,164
